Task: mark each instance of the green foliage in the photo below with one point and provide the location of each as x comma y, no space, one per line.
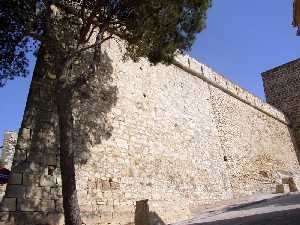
14,43
159,28
155,29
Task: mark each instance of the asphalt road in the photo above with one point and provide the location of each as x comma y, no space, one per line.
277,210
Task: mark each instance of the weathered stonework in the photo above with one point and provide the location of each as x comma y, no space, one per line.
282,88
180,136
8,149
7,155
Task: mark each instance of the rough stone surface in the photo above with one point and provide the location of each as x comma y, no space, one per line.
8,150
7,155
180,136
282,88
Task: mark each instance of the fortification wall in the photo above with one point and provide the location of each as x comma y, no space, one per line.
180,136
8,150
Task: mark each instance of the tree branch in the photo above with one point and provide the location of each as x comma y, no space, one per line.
90,46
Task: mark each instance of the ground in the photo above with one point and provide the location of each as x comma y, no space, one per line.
281,209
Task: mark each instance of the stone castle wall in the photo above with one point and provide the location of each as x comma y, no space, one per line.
7,154
282,88
180,136
8,150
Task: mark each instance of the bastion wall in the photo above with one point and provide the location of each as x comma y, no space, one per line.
282,88
180,136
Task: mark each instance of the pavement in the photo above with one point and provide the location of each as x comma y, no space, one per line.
275,209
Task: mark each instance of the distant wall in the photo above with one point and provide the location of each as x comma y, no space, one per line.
282,88
7,154
180,136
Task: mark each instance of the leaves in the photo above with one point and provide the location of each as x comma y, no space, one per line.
155,29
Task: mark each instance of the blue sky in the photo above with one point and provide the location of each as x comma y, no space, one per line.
242,39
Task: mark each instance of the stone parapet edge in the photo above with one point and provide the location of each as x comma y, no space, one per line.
205,73
281,67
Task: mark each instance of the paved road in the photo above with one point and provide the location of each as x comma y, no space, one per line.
289,217
278,210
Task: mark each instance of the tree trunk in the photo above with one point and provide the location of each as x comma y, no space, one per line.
67,166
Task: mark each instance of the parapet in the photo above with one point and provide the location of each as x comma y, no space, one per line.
282,69
205,73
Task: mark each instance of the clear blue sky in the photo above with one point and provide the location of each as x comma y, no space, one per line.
242,39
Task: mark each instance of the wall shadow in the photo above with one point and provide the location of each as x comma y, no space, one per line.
287,200
34,195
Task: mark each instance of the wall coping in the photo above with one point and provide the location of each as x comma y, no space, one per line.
280,67
205,73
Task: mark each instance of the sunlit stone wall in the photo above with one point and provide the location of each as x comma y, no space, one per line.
180,136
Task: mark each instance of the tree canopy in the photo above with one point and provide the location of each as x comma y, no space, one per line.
153,29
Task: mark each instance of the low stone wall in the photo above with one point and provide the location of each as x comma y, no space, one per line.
180,136
7,154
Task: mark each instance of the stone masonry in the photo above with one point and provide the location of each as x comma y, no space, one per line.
7,154
282,88
180,136
8,150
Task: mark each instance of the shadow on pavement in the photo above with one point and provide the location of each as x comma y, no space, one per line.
288,217
293,199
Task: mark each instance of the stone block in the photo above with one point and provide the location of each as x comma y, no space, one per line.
292,186
4,216
59,205
31,179
297,182
101,201
105,185
290,181
282,188
37,192
51,159
20,166
2,190
55,218
36,205
89,218
26,134
36,218
15,178
142,213
15,191
20,154
48,180
287,180
58,180
106,216
114,185
8,204
123,216
55,192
